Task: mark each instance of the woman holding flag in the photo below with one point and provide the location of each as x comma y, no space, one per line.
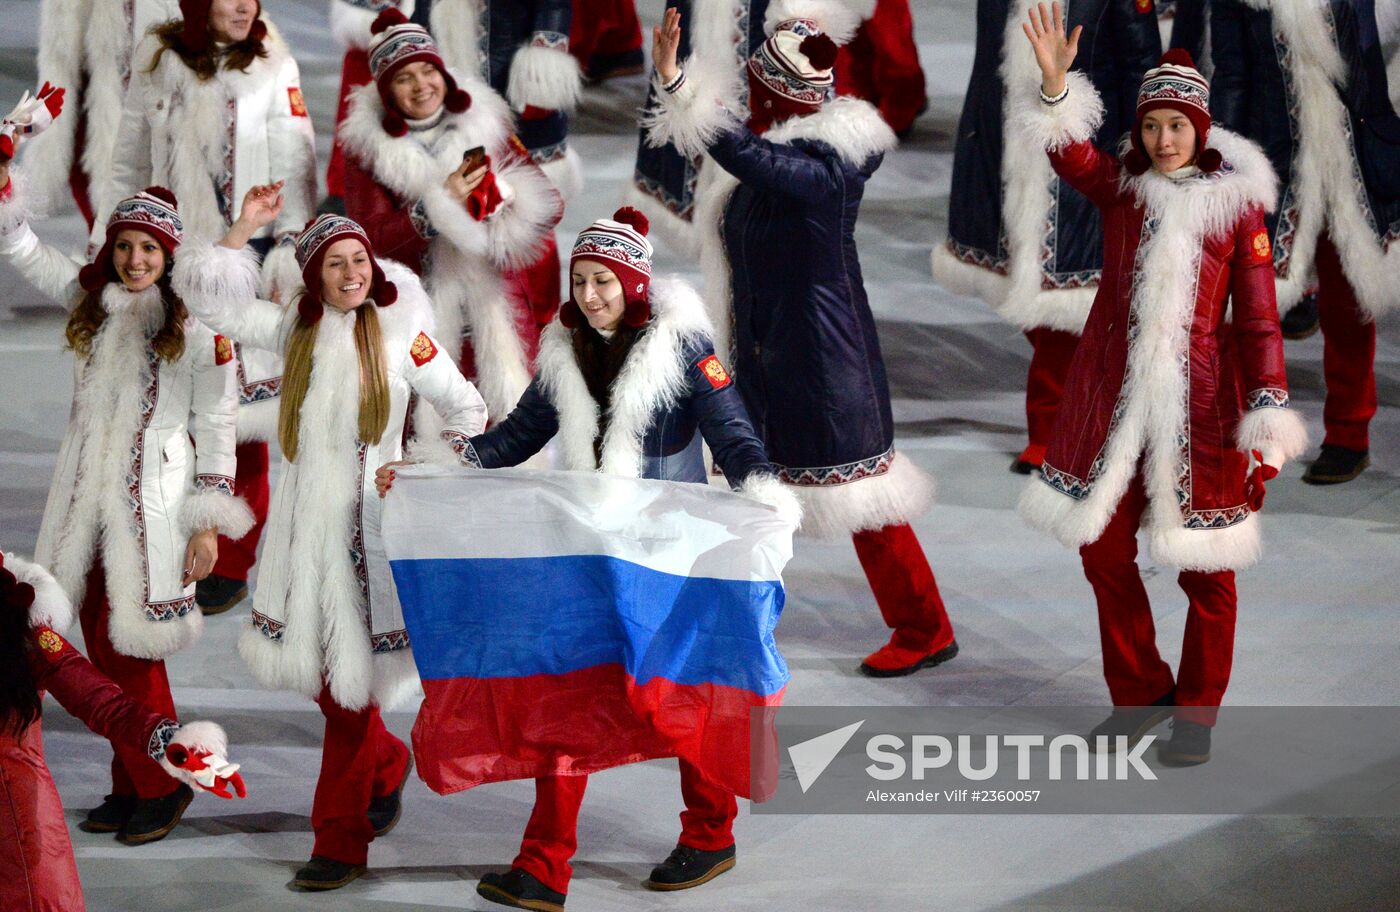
628,384
326,619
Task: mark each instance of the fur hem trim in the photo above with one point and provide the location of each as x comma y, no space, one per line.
280,273
901,495
1207,550
839,19
566,174
52,607
277,666
258,421
1065,309
678,233
769,491
852,127
134,634
1051,127
545,78
212,510
1277,432
1070,521
350,24
694,117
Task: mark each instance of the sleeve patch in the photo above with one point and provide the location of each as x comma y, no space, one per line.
223,350
1145,6
1259,244
714,371
297,102
423,350
50,642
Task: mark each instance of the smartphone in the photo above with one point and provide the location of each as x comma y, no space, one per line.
473,159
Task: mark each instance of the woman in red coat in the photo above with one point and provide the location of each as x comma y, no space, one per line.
1167,399
37,871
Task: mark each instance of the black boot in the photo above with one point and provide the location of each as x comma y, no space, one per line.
1301,319
153,818
1189,745
1132,723
520,889
686,867
217,594
322,873
384,812
1336,464
109,816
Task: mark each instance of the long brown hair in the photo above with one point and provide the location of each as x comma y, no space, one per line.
296,379
205,62
169,341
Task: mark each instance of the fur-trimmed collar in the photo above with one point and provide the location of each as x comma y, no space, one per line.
652,380
403,163
145,306
850,126
173,75
1245,179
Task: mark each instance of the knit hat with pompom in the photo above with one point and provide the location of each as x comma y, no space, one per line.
619,243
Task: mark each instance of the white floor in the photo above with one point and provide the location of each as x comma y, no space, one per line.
1318,626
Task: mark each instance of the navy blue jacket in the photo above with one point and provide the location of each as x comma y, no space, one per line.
510,24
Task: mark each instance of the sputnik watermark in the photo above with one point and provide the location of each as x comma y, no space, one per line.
1117,760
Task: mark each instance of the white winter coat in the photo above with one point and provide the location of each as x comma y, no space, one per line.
323,572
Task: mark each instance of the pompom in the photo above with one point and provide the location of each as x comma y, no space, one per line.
458,101
310,309
819,50
570,315
1177,57
388,293
1136,162
637,314
92,276
387,20
1209,160
394,124
634,217
164,195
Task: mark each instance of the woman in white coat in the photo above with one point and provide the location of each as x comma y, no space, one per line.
326,619
215,107
134,510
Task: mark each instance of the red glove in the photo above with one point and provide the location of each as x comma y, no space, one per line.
207,770
483,202
1254,484
32,115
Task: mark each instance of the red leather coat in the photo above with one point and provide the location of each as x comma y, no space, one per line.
1166,381
37,871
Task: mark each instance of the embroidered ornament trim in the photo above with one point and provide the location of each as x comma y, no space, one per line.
714,372
423,350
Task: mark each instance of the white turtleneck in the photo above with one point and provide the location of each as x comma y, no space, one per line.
1182,173
429,122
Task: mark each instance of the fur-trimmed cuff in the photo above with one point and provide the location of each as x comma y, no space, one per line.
51,607
692,118
767,489
448,447
280,273
516,234
195,737
544,77
206,510
213,280
1075,119
1275,430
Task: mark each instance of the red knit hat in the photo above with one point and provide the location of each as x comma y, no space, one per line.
313,242
790,74
397,43
153,211
1176,84
195,37
619,243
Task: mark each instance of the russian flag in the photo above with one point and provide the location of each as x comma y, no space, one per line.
568,622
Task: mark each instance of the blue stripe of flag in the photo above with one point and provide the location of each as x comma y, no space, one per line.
508,617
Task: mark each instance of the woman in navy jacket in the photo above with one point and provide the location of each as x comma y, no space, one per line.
780,251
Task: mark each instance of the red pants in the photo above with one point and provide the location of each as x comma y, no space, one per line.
360,760
354,72
133,770
551,836
1135,672
1051,352
1348,354
605,35
904,587
251,483
881,65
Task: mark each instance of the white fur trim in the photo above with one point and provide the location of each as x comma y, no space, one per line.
280,272
1051,127
1279,430
833,512
675,231
839,19
217,274
692,118
546,78
850,126
566,174
49,156
350,24
52,607
1064,308
431,449
205,736
213,510
258,421
769,491
1155,388
454,26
